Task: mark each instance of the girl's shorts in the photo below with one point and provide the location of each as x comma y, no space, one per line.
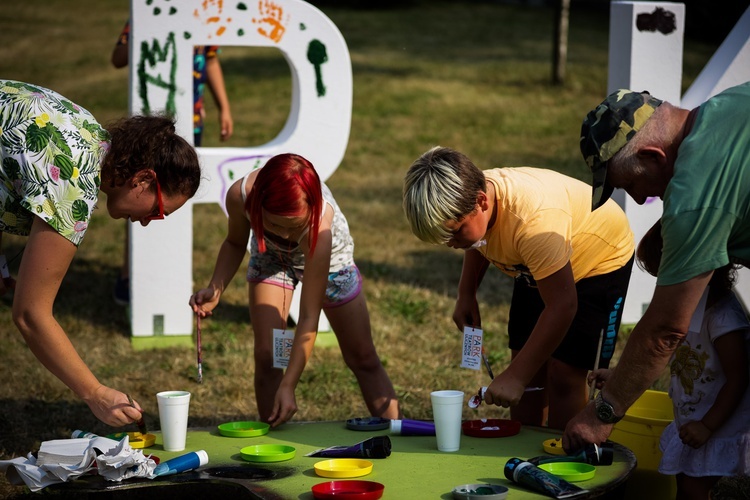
600,304
343,285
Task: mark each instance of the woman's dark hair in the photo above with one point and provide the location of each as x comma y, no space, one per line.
142,142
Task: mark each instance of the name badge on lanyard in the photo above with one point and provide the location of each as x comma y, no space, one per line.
282,347
472,348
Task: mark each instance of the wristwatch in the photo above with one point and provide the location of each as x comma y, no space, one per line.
605,411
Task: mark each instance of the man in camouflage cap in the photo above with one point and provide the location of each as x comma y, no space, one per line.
698,162
607,129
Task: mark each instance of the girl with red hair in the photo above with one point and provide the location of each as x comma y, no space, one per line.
297,232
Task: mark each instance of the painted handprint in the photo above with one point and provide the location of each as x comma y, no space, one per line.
271,20
211,12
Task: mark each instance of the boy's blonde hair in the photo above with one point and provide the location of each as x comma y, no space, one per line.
442,185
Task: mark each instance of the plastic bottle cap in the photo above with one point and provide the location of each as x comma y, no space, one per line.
395,426
519,468
203,457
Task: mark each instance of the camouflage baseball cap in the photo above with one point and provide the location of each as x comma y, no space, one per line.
607,129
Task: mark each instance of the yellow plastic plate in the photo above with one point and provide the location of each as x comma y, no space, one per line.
343,467
243,429
268,453
553,446
570,471
136,439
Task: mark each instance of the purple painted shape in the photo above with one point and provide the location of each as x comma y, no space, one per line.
227,174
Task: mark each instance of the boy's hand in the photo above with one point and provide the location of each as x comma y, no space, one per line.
505,391
466,313
695,433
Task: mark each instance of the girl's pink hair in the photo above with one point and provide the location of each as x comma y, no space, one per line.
289,186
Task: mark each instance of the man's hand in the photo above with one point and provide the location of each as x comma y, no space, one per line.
585,428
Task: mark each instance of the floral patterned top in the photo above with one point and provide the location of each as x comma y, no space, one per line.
51,151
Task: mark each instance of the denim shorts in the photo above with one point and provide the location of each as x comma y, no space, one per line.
343,285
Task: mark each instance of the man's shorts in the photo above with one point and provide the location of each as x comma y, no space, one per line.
343,285
600,305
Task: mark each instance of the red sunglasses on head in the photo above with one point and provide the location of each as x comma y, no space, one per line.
160,200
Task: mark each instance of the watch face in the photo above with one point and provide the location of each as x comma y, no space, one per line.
605,412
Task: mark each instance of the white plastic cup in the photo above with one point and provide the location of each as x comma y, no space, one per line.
173,416
447,408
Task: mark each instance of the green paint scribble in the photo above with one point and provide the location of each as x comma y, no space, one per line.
157,11
187,36
316,54
151,56
241,6
149,2
302,27
231,175
240,32
172,11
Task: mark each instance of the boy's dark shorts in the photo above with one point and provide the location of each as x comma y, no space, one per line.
600,304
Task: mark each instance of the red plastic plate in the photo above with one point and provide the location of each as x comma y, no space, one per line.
348,490
491,428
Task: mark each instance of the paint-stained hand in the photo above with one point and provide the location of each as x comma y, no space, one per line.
204,301
284,407
585,428
505,390
695,433
112,407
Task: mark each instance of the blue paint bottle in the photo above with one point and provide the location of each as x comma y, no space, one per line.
539,480
183,463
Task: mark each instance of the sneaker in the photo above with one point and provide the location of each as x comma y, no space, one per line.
121,293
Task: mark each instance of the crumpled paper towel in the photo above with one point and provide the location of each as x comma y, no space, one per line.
61,460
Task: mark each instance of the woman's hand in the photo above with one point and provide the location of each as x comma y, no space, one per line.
113,407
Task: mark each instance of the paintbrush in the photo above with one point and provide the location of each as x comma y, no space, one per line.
477,399
487,364
596,363
140,422
199,348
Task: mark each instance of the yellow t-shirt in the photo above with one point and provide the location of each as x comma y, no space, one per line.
544,220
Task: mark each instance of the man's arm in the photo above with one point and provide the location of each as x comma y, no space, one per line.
646,353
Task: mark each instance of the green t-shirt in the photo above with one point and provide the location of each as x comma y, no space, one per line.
706,220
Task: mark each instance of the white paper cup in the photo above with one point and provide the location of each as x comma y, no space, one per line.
173,416
447,408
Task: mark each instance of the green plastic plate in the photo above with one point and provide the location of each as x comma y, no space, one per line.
243,429
570,471
268,453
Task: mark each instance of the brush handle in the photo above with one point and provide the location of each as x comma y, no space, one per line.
596,363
